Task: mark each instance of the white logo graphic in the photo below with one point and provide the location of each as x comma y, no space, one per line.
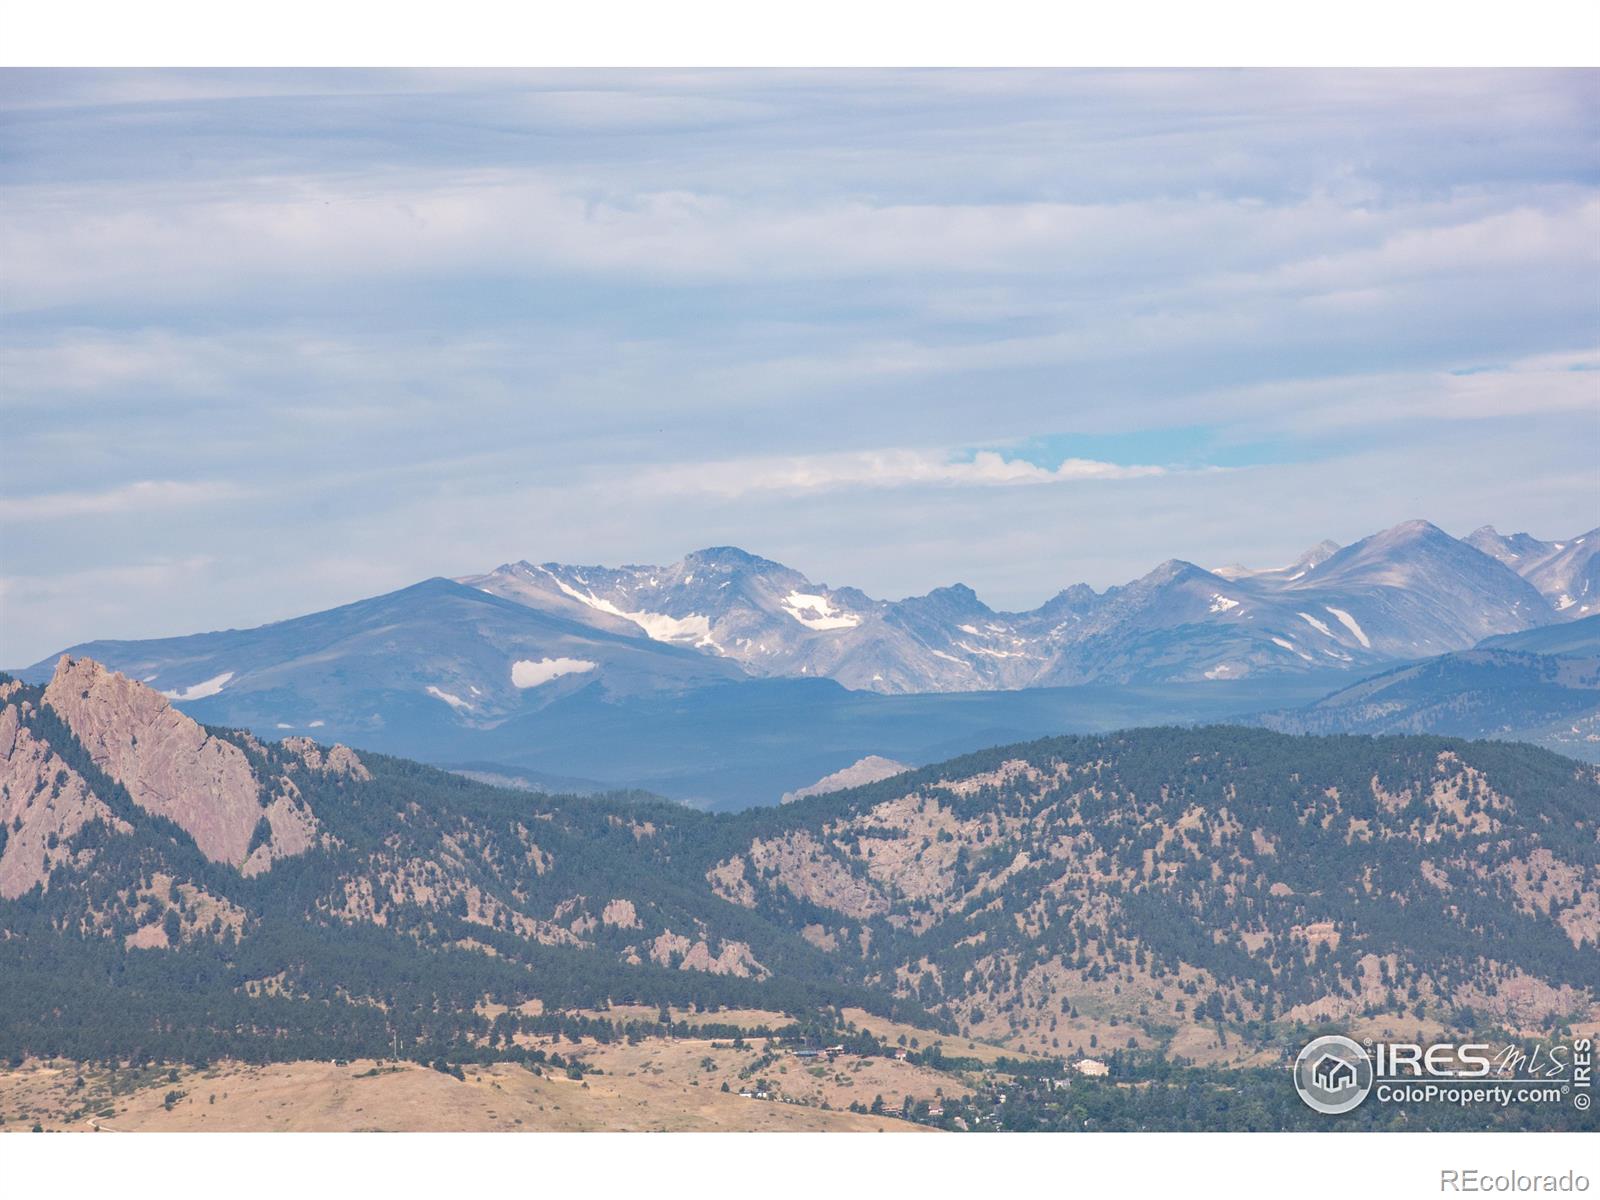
1333,1074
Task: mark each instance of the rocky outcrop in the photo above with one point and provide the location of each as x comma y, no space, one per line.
803,865
866,770
293,830
730,881
168,763
689,954
43,803
331,760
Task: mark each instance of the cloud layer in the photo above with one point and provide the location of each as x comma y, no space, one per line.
273,340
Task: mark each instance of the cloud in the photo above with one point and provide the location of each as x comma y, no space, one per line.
1549,385
144,496
445,319
890,468
175,241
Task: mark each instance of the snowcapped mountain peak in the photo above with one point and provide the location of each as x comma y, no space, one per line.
957,595
1298,569
1403,592
1417,527
1174,570
728,559
1566,572
476,653
1317,555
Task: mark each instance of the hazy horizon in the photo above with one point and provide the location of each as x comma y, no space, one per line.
277,340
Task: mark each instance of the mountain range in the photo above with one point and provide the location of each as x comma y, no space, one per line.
1540,686
726,677
1404,593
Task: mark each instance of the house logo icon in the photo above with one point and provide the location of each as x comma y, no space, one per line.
1333,1074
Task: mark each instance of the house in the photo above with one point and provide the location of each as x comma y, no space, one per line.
1333,1074
900,1053
1091,1066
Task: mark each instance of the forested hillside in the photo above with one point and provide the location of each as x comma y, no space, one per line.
178,893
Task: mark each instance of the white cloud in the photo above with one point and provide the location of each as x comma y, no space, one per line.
145,495
183,240
890,468
1552,383
431,316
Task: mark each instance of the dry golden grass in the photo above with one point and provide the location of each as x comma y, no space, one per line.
745,1018
688,1067
953,1045
318,1096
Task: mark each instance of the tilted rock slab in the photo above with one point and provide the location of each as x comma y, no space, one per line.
170,765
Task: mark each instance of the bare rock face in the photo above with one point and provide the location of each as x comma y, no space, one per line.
43,803
866,770
294,831
335,760
169,764
690,954
622,914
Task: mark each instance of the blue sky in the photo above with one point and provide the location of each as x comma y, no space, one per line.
273,341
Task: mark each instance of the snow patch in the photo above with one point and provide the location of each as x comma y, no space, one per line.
657,626
1221,603
528,673
199,691
1349,623
662,628
1320,627
1225,671
818,612
1565,602
990,653
452,701
1296,575
967,629
1292,648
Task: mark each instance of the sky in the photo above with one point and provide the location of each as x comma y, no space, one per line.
272,341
